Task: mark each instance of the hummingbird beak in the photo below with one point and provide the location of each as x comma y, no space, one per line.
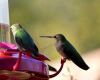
47,36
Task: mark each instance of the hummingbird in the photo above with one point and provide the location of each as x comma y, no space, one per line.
67,51
26,43
24,40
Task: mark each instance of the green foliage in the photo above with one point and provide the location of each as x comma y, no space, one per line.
78,20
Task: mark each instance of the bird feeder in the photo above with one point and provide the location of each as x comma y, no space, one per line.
14,64
4,21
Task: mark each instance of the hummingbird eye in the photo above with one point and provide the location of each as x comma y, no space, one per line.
55,36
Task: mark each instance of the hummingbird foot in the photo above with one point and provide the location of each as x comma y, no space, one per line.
63,60
16,66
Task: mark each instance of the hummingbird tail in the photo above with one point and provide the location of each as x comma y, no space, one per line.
82,65
85,67
51,68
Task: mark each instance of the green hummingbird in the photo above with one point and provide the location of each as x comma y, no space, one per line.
25,42
67,51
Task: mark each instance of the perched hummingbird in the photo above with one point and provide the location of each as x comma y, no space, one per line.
67,51
24,40
26,43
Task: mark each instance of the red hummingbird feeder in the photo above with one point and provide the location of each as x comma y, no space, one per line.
15,64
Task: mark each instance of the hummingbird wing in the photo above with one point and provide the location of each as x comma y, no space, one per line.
24,40
72,53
